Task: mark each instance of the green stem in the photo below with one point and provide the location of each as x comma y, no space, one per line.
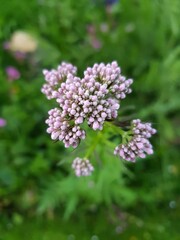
126,135
115,128
93,146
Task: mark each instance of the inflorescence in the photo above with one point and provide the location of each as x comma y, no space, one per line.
94,98
82,167
138,145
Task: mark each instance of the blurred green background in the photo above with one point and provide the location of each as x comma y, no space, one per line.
40,198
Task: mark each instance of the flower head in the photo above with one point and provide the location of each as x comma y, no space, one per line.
94,98
55,77
139,145
82,167
62,129
2,122
12,73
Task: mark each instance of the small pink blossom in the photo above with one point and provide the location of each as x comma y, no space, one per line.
139,145
2,122
12,73
82,167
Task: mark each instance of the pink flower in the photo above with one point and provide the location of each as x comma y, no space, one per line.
12,73
2,122
94,98
82,167
139,145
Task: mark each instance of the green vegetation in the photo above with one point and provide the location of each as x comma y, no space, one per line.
103,225
36,180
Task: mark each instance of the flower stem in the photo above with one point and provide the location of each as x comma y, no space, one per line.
115,128
93,146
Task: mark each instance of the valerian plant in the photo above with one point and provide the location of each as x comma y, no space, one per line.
93,99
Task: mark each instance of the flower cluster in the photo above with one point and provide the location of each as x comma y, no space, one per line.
82,167
12,73
139,145
110,76
60,128
94,98
2,122
55,77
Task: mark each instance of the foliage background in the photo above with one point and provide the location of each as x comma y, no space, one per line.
131,201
